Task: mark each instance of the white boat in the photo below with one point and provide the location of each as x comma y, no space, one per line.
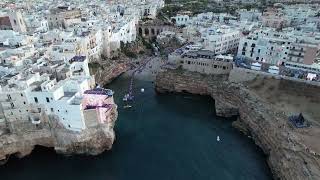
218,138
127,106
125,98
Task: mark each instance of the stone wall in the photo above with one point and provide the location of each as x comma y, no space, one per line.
240,75
287,154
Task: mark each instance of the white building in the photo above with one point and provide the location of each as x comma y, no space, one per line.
181,19
202,61
265,46
293,49
221,40
251,15
62,99
12,20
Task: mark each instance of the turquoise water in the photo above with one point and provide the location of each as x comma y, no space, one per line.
162,137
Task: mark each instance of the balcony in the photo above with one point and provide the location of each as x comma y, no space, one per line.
35,116
296,55
297,50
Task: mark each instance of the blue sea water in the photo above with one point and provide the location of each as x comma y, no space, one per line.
163,137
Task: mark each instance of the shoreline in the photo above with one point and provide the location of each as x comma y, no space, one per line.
268,127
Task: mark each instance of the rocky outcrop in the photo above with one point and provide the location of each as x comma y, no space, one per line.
91,141
288,155
224,109
109,70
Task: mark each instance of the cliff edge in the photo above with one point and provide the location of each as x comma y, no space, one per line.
292,154
91,141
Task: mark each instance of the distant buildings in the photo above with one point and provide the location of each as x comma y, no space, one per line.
282,35
274,18
291,48
203,61
221,40
265,46
249,15
61,16
212,31
45,51
12,20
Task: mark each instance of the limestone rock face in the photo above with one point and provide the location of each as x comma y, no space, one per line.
109,70
91,141
288,156
224,109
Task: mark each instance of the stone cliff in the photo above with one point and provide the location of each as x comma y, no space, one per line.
106,71
91,141
289,156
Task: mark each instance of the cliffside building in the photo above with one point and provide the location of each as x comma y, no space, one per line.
202,61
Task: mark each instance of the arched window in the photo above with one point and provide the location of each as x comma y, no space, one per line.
146,31
140,31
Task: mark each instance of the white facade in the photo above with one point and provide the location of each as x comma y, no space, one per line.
221,40
63,100
274,47
252,15
265,46
181,19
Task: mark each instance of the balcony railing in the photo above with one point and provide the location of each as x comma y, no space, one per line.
297,50
296,55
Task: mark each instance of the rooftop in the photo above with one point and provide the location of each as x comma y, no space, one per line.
77,59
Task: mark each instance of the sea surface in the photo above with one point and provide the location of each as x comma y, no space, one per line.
163,137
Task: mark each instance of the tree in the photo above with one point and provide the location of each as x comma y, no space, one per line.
173,20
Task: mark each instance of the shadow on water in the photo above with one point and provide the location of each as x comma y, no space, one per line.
164,136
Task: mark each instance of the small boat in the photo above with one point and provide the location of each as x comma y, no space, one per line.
130,98
127,106
218,138
125,98
142,90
